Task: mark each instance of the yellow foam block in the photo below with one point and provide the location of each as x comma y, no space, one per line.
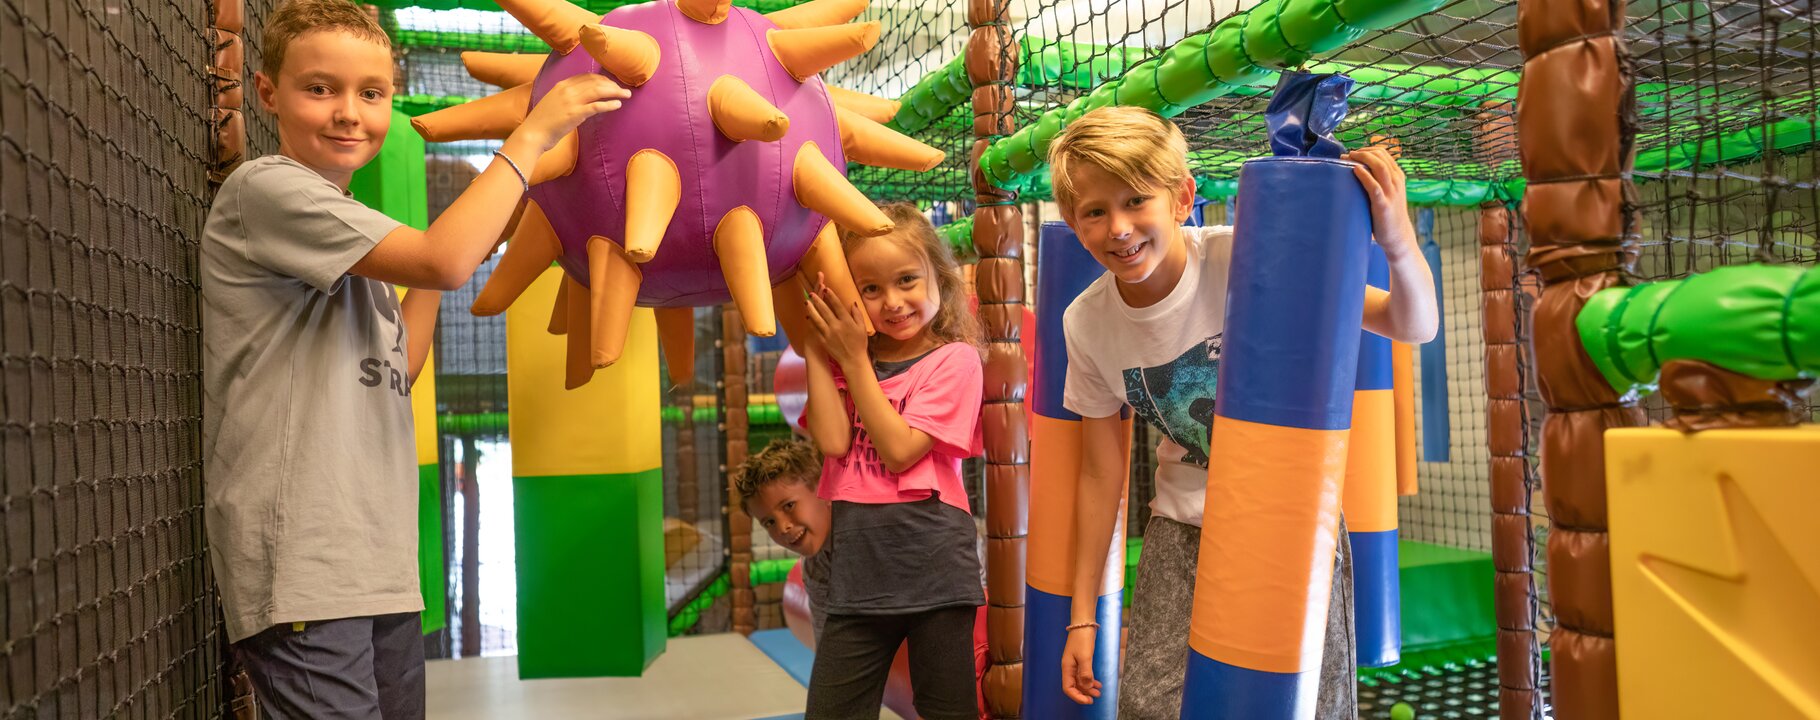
610,425
1716,572
423,405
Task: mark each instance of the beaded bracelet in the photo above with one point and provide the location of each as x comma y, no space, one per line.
1077,626
521,173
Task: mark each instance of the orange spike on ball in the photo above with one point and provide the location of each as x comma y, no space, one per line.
870,143
676,334
653,190
559,161
804,52
739,244
493,117
817,13
552,21
528,254
824,189
630,55
741,114
709,12
613,281
876,109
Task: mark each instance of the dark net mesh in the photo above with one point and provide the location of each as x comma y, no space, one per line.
1454,472
1441,87
918,41
109,607
1725,137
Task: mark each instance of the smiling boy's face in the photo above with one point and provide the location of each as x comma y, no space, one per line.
792,515
333,100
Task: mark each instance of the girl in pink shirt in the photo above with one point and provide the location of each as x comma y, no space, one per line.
893,416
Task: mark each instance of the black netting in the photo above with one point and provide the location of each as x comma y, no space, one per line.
105,142
1441,87
1725,137
261,126
918,39
1453,505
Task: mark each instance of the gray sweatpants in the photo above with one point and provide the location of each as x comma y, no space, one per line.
1156,660
365,668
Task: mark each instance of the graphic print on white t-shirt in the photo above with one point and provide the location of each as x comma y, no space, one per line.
1177,398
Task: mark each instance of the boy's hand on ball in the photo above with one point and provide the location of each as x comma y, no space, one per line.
568,104
1384,185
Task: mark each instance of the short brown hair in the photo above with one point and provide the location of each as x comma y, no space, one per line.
297,18
1135,145
955,321
785,459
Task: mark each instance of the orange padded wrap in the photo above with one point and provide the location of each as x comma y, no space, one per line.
1261,587
1402,358
1370,495
1055,468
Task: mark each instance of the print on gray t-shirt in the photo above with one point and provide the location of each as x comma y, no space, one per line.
309,467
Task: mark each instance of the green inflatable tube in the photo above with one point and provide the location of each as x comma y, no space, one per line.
1758,320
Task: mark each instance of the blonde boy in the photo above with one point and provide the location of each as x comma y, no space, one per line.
1148,335
308,359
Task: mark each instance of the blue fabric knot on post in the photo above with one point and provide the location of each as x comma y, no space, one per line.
1304,111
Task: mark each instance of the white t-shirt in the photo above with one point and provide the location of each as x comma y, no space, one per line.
1163,361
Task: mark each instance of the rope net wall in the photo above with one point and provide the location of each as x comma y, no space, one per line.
109,606
1450,510
1725,137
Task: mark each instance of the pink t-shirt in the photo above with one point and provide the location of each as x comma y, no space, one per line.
939,395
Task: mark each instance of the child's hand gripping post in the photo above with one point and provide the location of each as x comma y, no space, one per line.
1408,312
1384,185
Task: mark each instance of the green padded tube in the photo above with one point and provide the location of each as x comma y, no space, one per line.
1264,40
1241,49
1757,320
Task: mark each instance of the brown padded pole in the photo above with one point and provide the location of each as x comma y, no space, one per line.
739,524
1572,103
1705,396
998,237
1507,428
688,485
1513,542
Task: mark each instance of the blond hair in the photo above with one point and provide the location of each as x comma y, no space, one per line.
1135,145
297,18
954,321
784,460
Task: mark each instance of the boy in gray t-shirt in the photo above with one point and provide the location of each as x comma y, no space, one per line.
308,359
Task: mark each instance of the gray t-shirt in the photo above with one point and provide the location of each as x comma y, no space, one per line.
309,466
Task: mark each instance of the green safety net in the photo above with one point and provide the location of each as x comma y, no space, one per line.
1757,320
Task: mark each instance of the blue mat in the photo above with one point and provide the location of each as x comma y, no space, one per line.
788,652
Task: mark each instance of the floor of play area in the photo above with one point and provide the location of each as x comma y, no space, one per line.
701,677
1455,691
729,677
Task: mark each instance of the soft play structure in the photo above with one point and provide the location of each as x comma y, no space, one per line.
701,188
1613,435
